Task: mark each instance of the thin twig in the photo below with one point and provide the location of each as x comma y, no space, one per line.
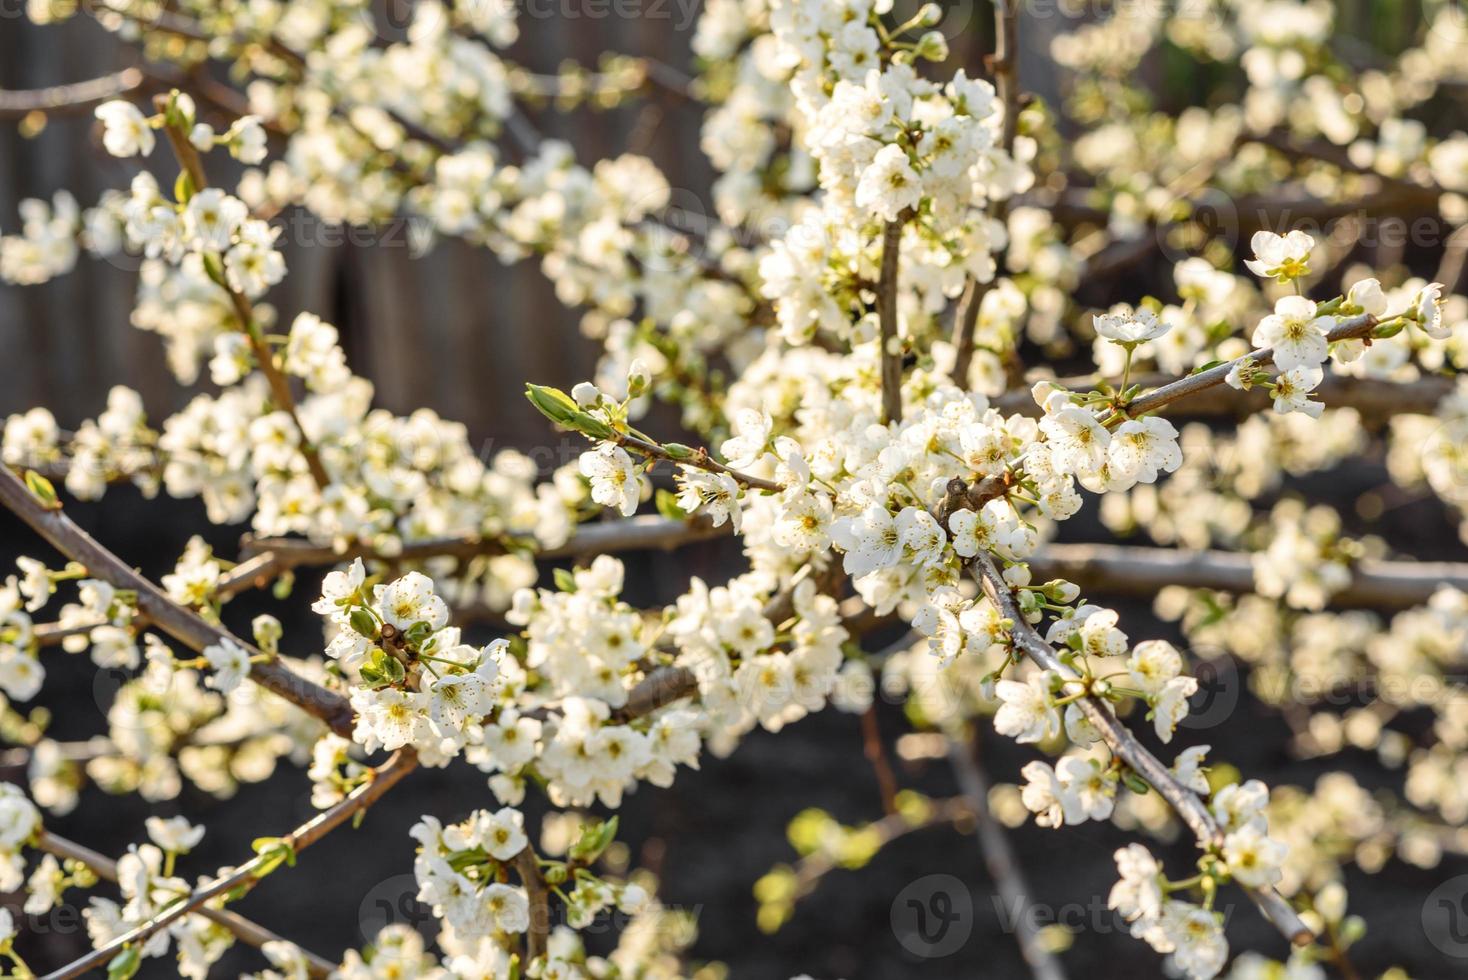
245,929
700,460
381,780
1137,571
1455,253
1005,67
1351,328
1187,804
1109,568
887,320
643,533
1336,953
280,389
1244,216
872,748
965,321
1374,398
1003,864
74,97
810,869
182,624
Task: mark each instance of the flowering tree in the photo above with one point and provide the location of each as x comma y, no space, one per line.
863,349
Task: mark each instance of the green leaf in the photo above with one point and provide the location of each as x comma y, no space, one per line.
595,838
372,677
273,852
667,504
124,964
565,580
1206,367
417,633
42,489
395,668
562,409
1135,783
362,623
214,268
381,669
183,187
591,426
553,403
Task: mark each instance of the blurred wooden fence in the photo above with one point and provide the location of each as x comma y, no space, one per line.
455,330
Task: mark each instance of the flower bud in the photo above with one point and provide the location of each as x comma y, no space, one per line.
933,46
586,394
267,630
552,403
638,378
1059,590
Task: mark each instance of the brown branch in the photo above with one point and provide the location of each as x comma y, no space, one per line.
1005,67
1109,569
871,737
1239,217
659,688
538,895
245,929
668,684
645,533
1374,398
244,877
887,320
1003,864
252,573
1455,253
182,624
53,634
1352,328
1189,807
700,459
1135,571
74,97
965,321
280,389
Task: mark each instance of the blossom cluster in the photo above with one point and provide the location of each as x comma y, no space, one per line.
847,338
